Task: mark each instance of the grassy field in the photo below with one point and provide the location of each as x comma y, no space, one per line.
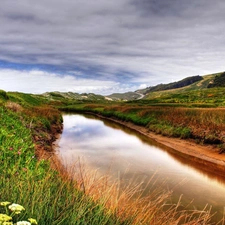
50,196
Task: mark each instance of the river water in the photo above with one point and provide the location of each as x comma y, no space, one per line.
111,147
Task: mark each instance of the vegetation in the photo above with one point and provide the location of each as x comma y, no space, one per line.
28,124
51,196
182,83
29,180
219,81
124,96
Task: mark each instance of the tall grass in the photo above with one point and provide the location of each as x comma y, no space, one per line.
131,202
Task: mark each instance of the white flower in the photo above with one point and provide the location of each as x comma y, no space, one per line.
23,223
16,208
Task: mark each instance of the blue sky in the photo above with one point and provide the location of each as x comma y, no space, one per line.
106,46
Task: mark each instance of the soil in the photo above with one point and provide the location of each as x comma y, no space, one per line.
44,146
206,157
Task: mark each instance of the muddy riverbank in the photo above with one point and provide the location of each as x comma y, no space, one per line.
205,156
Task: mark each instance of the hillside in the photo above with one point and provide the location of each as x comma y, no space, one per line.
174,85
219,81
164,92
196,94
70,97
124,96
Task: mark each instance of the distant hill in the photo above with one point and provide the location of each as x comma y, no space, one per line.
218,81
73,96
124,96
182,83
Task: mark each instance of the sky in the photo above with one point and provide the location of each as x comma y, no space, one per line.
104,46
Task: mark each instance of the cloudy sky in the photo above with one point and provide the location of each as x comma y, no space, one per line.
106,46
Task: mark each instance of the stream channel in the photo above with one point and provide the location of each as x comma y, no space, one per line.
108,147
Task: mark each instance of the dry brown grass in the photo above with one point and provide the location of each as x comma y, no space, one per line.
206,124
13,106
129,203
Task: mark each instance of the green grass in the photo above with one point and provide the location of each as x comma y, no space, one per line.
26,99
208,97
45,195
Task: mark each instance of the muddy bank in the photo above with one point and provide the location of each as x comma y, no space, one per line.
205,156
44,145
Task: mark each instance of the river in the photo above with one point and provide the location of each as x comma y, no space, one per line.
109,147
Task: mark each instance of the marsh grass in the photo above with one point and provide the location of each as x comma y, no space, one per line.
132,202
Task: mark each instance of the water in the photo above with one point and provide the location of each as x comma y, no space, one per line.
103,145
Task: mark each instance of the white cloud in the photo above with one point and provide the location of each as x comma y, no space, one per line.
36,81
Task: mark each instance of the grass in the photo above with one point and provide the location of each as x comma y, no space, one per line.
52,197
207,97
155,208
45,195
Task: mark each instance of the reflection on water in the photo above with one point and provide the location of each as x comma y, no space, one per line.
105,145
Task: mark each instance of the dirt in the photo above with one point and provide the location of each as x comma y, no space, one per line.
205,156
44,146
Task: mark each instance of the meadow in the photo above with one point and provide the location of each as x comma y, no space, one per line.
32,176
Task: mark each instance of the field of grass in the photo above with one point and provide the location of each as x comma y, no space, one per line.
49,195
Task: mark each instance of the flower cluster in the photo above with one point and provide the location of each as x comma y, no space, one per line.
15,209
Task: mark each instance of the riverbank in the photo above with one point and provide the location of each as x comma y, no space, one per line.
197,135
206,156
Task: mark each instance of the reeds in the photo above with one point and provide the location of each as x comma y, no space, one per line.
130,203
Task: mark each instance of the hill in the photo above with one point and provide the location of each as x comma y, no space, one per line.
218,81
199,93
182,83
188,84
124,96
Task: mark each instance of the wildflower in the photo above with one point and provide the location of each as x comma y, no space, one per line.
23,223
33,221
4,217
16,208
19,152
4,203
11,148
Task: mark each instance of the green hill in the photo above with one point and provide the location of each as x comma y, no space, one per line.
205,92
218,81
174,85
